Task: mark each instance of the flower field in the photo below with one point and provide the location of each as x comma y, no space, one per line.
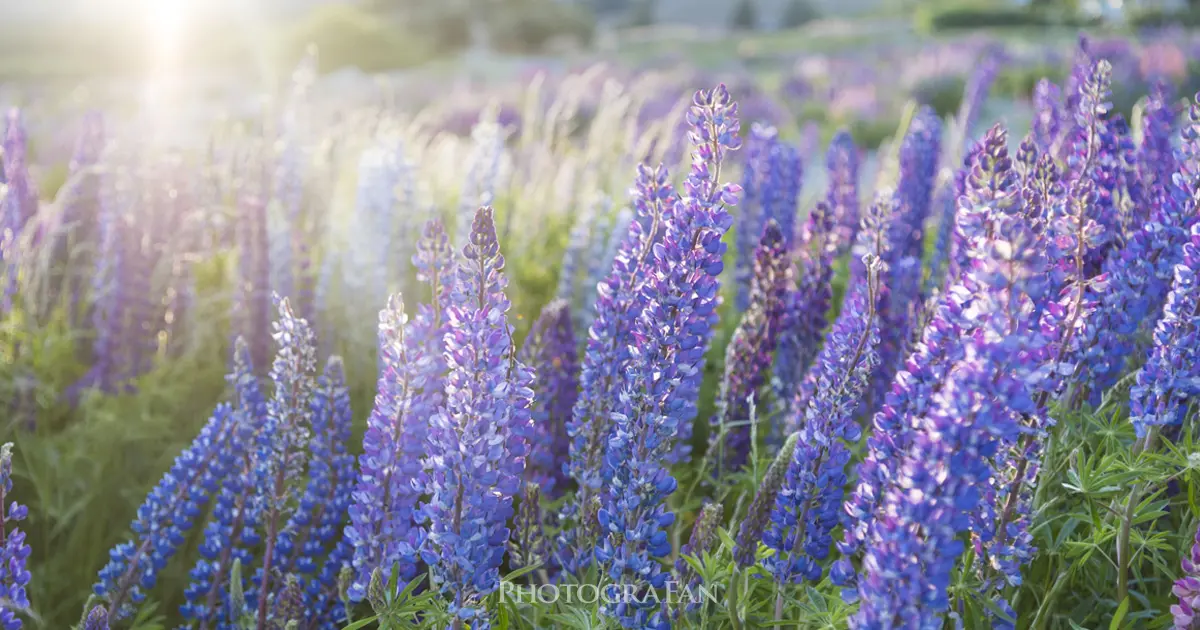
614,347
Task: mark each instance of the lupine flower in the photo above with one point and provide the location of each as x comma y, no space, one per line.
233,529
808,503
919,155
680,295
97,619
382,527
279,458
805,313
1187,588
383,531
477,449
313,530
551,352
748,355
582,232
168,512
1047,105
1171,376
600,270
912,544
1072,231
606,354
16,175
751,213
14,553
975,92
755,522
777,172
841,162
254,275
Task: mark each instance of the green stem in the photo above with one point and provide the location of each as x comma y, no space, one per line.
1042,617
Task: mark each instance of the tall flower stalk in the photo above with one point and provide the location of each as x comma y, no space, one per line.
477,441
668,343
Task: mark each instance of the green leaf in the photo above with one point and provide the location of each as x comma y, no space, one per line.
1120,614
361,623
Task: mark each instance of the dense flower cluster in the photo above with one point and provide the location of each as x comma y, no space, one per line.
748,355
680,295
14,553
477,442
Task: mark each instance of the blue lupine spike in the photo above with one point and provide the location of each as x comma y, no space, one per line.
382,529
841,162
488,137
912,539
14,553
660,386
1047,105
1171,376
477,441
233,530
316,525
279,457
168,512
606,353
808,503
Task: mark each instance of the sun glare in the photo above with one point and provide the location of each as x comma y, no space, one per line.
165,23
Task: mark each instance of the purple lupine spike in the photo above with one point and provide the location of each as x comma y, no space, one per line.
167,513
1186,614
1171,376
680,293
606,353
841,162
582,233
551,352
600,270
989,187
975,92
758,189
14,553
281,444
254,275
383,530
233,529
808,503
313,530
1047,119
778,171
16,172
912,543
1071,232
748,355
1156,156
909,394
919,155
477,441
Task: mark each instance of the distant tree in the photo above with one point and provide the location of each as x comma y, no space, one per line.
799,13
745,15
643,13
